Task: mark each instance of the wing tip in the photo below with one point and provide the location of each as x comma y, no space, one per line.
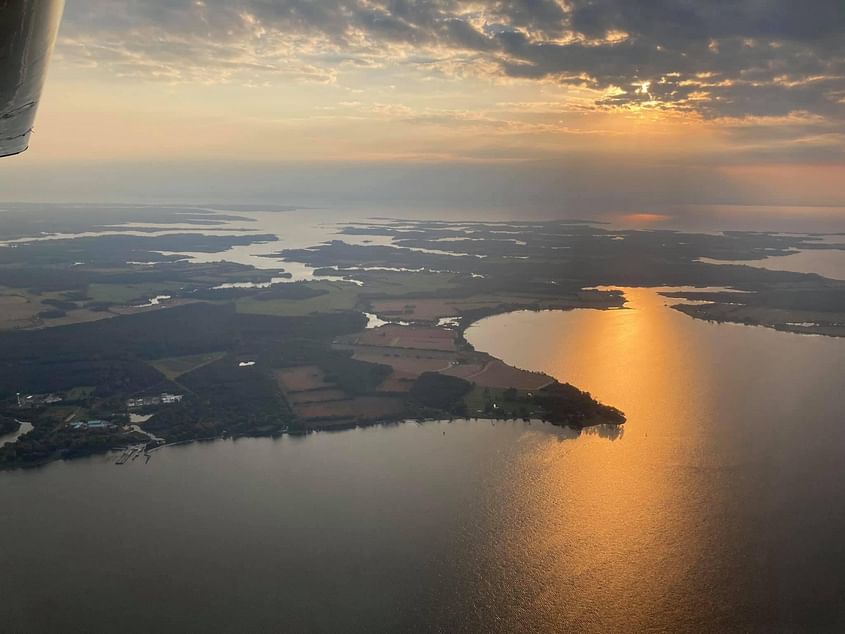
5,153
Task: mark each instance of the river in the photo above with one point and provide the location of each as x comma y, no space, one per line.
718,507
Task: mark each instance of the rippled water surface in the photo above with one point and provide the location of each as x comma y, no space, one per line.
718,507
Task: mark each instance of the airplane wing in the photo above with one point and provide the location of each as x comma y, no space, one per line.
27,34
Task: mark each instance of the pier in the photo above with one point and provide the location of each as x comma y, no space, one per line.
130,453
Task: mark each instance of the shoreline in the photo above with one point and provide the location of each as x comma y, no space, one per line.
117,451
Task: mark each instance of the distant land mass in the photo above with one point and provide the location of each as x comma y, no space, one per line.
113,337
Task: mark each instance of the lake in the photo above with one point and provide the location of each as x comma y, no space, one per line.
717,507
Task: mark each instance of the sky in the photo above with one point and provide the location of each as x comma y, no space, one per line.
581,106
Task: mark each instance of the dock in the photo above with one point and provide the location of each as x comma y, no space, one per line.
130,453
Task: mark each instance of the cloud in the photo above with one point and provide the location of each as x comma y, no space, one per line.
721,58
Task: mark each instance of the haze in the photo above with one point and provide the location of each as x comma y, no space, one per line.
646,110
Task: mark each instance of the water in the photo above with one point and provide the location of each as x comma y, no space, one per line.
356,531
293,229
24,428
827,263
717,508
309,227
301,228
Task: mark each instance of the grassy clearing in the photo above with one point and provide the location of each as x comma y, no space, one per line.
347,296
340,296
18,309
402,283
174,367
508,403
126,293
80,393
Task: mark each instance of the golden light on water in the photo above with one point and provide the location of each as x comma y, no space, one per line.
605,516
644,218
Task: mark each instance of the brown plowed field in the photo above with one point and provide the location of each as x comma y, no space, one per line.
500,375
316,396
392,336
409,364
302,378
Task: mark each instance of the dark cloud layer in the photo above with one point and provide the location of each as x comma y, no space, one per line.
717,57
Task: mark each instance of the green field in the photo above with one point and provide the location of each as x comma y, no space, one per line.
340,296
480,400
174,367
346,295
125,293
80,393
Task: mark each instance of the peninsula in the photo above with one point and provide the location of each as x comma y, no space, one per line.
113,337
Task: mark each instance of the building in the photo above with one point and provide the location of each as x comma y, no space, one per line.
91,424
152,401
38,400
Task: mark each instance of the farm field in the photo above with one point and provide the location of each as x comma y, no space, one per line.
174,367
359,408
393,336
302,378
498,374
316,400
